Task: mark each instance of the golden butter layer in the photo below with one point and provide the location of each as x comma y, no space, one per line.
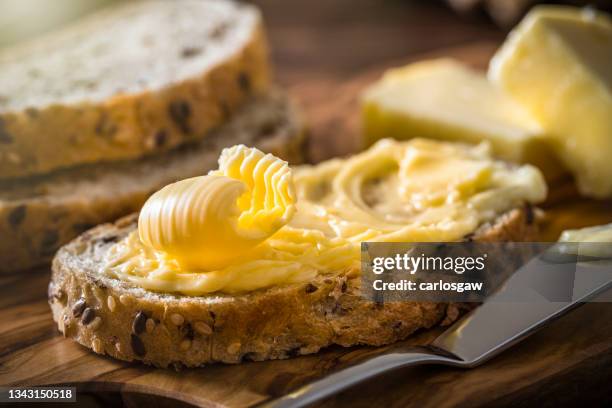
414,191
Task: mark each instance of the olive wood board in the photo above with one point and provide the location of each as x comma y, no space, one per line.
569,361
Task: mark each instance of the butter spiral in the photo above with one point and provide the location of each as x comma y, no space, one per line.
206,222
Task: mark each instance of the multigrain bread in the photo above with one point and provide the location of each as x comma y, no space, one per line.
131,80
130,323
43,213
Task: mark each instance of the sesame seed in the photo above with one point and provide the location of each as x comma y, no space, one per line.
177,319
111,303
202,328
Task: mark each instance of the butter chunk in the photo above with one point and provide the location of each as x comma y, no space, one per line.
593,239
443,99
558,64
599,233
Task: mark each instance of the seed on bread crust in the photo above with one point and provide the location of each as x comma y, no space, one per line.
110,239
125,300
202,328
310,288
343,287
188,52
111,303
138,346
139,323
219,30
177,319
78,307
88,315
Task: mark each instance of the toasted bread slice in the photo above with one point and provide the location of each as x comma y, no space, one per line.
115,318
40,214
131,80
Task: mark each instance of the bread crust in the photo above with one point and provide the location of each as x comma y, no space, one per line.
132,125
41,214
280,322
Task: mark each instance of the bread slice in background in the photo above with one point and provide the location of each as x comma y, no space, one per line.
40,214
115,318
131,80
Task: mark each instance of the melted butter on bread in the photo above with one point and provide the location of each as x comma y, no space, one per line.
420,190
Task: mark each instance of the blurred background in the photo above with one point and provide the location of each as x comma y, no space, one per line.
331,40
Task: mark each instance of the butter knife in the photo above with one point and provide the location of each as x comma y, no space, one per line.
482,334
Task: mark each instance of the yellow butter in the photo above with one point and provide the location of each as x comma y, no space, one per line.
420,190
206,222
590,241
443,99
599,233
558,64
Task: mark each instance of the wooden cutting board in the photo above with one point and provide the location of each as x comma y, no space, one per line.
568,361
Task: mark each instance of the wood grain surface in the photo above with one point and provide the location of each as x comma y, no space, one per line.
569,361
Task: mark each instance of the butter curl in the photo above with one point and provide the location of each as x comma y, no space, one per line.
207,222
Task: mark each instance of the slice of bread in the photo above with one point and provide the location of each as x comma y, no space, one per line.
42,213
134,79
115,318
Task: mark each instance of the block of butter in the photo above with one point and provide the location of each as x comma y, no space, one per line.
443,99
599,233
558,64
595,241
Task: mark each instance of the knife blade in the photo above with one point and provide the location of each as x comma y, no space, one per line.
483,333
